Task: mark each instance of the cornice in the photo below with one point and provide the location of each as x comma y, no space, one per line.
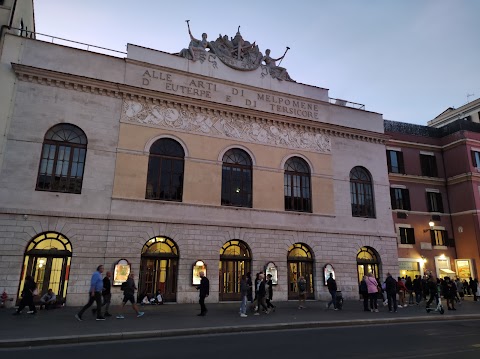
417,145
127,92
417,179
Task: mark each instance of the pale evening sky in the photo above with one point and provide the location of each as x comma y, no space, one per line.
406,59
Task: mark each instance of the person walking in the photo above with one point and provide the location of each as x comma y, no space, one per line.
409,286
204,289
244,294
96,287
417,289
363,290
402,292
372,288
29,287
391,290
302,292
129,288
269,289
261,295
332,289
250,285
449,290
432,288
473,287
106,294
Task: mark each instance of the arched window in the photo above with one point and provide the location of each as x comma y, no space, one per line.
63,159
368,261
236,179
165,171
300,264
47,260
297,188
159,268
361,191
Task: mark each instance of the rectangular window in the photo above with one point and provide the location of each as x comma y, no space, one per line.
407,235
400,198
439,237
476,158
434,202
395,161
429,165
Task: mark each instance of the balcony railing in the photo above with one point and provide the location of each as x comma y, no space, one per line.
65,42
345,103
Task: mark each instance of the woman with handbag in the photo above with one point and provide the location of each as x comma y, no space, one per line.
29,288
372,288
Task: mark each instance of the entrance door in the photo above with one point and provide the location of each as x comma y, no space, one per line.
159,274
296,269
364,269
231,272
368,261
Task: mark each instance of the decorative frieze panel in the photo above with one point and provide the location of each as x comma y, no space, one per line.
224,125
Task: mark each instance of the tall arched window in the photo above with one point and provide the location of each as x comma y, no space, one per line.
368,261
236,179
297,189
361,191
165,171
63,159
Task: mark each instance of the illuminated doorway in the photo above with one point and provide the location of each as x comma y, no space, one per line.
300,263
47,260
159,269
235,261
368,261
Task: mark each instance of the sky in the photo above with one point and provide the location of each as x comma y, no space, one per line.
406,59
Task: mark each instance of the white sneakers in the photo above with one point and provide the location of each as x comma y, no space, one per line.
243,315
140,314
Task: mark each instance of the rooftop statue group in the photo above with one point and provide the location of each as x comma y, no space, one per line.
236,53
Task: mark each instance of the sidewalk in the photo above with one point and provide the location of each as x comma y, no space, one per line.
60,326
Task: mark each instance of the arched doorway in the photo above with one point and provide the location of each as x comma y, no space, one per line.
235,260
300,263
368,261
159,268
47,260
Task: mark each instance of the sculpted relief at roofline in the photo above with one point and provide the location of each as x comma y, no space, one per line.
236,53
224,126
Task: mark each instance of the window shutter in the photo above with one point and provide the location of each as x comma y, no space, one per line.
401,168
403,240
406,196
411,235
440,202
392,198
432,237
429,203
389,161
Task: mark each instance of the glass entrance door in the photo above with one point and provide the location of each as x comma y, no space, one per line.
296,269
158,274
364,269
231,272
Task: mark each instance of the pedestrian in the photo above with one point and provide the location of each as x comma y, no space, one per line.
204,289
261,295
269,289
29,288
96,287
391,290
460,295
244,294
302,292
363,290
332,289
409,286
449,289
473,288
372,288
432,288
129,288
417,288
250,284
106,294
254,306
402,292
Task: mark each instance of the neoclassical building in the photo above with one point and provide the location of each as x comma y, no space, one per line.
170,165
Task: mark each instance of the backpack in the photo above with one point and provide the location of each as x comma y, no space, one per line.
302,286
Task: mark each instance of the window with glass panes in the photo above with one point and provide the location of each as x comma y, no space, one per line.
400,198
438,237
407,235
476,159
428,164
361,192
297,187
236,179
395,161
434,202
63,160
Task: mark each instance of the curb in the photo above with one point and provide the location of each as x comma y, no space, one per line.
77,339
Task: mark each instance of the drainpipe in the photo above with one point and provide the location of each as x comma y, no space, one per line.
448,201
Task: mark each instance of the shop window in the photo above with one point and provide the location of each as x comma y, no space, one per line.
63,160
297,187
407,235
361,191
434,202
165,171
237,179
395,161
400,198
439,237
428,164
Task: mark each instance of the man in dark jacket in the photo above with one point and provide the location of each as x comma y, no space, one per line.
391,289
473,287
204,288
432,287
129,288
261,295
417,288
332,288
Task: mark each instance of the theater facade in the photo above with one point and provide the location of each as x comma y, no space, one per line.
166,164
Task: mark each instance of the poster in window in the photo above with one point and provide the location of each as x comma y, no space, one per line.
271,269
121,272
326,271
464,268
198,266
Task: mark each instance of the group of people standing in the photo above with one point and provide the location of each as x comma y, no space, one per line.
419,288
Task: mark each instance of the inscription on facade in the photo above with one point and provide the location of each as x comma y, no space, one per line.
222,125
223,93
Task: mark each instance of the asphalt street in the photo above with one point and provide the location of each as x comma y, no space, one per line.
449,339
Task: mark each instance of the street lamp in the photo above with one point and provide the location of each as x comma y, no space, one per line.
430,224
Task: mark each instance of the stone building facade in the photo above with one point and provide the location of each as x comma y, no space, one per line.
162,162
